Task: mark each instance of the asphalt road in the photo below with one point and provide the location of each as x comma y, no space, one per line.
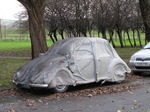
137,100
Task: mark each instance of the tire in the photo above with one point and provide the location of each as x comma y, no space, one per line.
121,76
60,89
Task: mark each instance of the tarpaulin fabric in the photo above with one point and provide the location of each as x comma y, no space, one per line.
74,61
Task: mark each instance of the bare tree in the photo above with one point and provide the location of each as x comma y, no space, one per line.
55,14
52,26
128,11
145,10
119,18
23,24
35,9
101,16
79,17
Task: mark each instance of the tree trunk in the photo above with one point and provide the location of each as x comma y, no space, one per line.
111,37
120,37
51,37
145,41
98,32
104,34
134,37
145,10
84,33
139,38
124,39
90,33
129,38
61,32
55,34
35,9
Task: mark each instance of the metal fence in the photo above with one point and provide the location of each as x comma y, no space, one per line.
8,31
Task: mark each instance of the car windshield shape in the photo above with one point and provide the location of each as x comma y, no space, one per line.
147,46
58,48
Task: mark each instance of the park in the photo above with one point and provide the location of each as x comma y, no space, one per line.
125,24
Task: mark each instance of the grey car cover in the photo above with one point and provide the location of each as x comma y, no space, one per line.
73,61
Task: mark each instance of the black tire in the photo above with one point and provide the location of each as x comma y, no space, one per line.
60,89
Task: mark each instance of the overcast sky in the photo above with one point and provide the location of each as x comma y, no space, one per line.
9,8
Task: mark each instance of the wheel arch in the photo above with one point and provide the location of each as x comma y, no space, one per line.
62,77
118,70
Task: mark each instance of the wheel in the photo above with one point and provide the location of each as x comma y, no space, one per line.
117,71
60,89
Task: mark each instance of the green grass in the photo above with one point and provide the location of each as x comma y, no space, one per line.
127,44
17,48
7,71
126,53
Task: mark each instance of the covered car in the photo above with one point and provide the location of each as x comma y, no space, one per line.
73,61
140,61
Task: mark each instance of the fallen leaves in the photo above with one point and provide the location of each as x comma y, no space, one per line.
95,91
119,111
86,91
129,76
14,92
89,95
30,102
40,101
11,110
130,92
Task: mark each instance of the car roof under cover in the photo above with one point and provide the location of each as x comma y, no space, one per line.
68,44
80,40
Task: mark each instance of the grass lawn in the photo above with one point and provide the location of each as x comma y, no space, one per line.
7,71
20,48
15,48
126,53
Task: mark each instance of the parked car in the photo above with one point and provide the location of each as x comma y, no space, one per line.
73,61
140,61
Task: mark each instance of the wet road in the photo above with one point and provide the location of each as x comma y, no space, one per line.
137,100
